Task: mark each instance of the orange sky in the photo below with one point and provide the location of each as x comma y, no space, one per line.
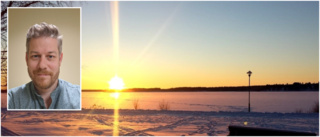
208,44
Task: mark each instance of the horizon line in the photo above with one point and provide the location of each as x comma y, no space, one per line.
204,86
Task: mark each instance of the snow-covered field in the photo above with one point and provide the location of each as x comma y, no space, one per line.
149,122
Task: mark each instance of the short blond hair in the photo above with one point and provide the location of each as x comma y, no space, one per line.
44,30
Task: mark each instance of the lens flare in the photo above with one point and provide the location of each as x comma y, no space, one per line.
115,33
116,83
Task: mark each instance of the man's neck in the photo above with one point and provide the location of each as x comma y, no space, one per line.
45,93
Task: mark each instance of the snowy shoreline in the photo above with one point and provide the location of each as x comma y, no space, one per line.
93,122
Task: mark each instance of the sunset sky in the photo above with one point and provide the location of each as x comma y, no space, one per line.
184,43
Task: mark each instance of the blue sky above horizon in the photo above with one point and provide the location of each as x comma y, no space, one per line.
208,43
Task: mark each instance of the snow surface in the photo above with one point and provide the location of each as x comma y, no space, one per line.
89,122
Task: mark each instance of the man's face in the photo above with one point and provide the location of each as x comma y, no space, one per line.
43,61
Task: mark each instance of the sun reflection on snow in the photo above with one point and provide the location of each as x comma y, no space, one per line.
116,118
115,95
115,98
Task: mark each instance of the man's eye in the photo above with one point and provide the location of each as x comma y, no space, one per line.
50,56
35,56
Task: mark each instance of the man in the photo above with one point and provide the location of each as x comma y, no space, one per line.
43,57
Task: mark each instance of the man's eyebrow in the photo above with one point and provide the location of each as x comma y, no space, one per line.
34,52
52,52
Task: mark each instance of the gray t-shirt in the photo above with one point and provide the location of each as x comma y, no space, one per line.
65,96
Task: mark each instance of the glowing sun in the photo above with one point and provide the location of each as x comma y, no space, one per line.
116,83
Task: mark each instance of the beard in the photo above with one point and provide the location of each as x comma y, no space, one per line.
43,82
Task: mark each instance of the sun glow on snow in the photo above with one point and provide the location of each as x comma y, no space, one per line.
116,83
115,95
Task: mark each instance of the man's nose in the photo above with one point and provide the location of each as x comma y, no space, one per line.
42,62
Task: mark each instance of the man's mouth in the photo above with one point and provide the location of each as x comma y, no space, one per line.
43,75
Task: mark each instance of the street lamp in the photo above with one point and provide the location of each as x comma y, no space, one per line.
249,74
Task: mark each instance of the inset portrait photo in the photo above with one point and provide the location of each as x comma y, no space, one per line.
44,59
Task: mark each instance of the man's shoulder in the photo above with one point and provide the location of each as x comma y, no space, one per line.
69,86
70,95
18,90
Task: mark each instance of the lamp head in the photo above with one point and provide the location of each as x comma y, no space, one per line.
249,73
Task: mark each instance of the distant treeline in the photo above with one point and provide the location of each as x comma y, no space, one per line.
296,86
276,87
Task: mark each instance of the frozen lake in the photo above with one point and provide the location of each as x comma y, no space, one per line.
149,121
285,102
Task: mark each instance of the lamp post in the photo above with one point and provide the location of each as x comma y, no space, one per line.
249,74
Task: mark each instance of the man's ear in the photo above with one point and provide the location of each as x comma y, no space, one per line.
60,59
27,58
